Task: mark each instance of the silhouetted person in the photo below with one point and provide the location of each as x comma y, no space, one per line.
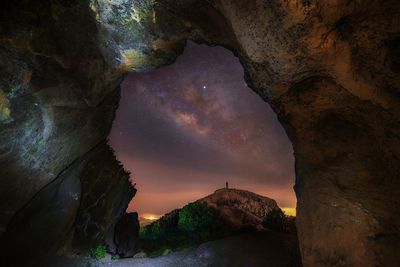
226,184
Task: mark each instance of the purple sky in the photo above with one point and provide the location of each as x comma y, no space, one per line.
185,129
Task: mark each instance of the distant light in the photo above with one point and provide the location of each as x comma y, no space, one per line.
151,217
204,86
289,211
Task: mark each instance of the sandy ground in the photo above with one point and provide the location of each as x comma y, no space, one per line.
259,249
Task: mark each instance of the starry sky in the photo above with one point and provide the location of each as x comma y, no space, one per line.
185,129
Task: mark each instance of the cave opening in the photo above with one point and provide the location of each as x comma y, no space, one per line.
188,129
329,70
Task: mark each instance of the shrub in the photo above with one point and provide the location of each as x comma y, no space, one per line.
276,220
98,252
115,257
152,232
193,224
198,216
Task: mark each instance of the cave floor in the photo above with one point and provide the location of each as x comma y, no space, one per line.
257,249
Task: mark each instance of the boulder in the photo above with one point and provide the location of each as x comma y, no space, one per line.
127,235
106,193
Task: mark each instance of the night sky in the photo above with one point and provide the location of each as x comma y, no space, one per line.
185,129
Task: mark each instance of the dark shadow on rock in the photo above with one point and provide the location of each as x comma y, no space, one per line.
127,235
106,193
74,213
39,228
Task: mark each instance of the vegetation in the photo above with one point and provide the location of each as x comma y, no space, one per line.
198,217
276,220
152,232
98,252
115,257
197,223
193,224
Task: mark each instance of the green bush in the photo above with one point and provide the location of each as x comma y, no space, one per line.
98,252
198,216
152,232
115,257
193,224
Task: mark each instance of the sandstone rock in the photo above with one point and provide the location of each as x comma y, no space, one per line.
127,234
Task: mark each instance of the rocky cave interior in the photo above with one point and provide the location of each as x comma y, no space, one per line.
330,71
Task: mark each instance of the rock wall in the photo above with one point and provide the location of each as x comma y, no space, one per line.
347,176
329,69
72,214
39,228
57,95
106,193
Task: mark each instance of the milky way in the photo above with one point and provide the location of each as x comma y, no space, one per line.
185,129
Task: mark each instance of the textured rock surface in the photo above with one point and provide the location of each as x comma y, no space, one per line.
56,92
75,212
329,69
106,193
43,225
127,234
240,207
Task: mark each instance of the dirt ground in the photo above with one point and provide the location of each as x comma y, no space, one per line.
257,249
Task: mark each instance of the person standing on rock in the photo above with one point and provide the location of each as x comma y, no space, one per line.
226,184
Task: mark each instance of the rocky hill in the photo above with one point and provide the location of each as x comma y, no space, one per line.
240,207
236,208
224,213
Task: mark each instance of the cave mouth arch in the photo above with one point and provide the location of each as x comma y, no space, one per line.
185,129
326,70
